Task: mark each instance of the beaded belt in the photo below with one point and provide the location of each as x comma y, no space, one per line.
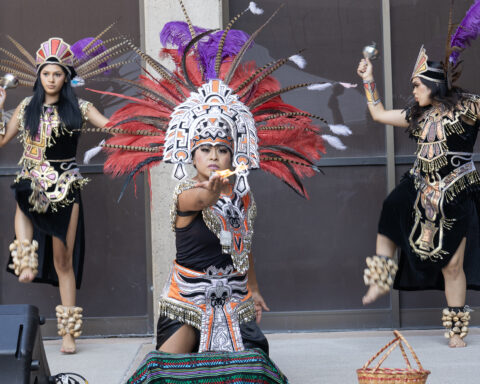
215,302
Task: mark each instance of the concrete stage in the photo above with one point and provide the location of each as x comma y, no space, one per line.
326,357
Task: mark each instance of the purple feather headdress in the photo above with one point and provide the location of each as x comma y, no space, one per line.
467,31
177,34
96,49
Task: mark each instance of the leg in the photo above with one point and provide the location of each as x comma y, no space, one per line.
456,286
385,247
24,232
182,341
62,259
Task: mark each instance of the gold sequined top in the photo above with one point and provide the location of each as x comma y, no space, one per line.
48,159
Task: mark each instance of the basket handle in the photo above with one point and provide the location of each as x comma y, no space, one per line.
399,335
396,341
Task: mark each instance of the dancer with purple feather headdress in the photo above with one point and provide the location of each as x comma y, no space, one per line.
432,216
49,228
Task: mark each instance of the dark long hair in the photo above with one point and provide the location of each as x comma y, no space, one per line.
440,93
68,109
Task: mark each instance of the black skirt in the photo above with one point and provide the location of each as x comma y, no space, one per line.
48,224
396,223
252,336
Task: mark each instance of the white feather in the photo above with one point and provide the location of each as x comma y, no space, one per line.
319,87
334,141
77,81
91,153
340,129
299,60
254,8
348,85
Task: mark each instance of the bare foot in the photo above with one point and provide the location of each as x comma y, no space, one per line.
373,293
68,344
456,342
26,276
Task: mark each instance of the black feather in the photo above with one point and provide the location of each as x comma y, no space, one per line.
135,171
185,54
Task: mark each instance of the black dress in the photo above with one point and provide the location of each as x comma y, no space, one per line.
48,186
198,248
435,205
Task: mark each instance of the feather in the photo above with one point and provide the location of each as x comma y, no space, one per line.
348,85
159,68
340,129
96,49
253,7
189,22
104,70
467,31
177,34
263,75
252,76
299,60
334,141
248,44
77,81
91,153
270,95
17,73
95,39
185,54
22,50
102,57
319,86
27,68
151,93
218,58
148,162
15,66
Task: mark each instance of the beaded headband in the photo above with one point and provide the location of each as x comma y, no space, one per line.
423,70
55,51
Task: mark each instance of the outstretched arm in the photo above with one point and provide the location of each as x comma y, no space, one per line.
96,118
203,195
260,304
396,117
7,130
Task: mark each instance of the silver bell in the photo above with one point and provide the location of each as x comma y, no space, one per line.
370,51
8,81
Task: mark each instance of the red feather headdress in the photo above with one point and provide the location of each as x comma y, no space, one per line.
273,135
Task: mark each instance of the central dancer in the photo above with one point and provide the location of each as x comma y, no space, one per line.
226,119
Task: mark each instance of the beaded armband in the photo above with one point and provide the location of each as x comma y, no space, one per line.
2,123
371,92
381,272
456,320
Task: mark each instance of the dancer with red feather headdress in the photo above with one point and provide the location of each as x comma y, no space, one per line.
227,118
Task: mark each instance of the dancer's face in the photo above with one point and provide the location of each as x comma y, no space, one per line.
52,77
208,158
421,92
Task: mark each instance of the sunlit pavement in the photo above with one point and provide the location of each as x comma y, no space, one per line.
326,357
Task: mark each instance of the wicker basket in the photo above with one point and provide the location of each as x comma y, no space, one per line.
379,375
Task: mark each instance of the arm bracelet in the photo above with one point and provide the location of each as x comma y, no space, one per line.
2,123
371,92
381,272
